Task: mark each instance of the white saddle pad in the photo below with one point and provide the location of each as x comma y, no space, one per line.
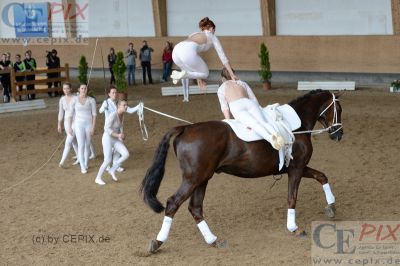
247,134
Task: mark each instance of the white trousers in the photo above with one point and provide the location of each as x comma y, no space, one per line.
110,144
69,141
249,114
185,87
82,132
186,57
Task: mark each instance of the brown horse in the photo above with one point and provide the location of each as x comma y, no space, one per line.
208,147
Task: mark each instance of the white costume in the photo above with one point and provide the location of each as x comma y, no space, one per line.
186,56
70,140
109,107
112,125
247,111
185,87
83,115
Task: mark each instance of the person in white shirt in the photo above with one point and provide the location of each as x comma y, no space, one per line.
64,107
237,97
108,107
83,113
113,139
185,54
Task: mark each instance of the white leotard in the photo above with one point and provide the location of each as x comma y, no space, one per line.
63,114
221,93
212,40
83,115
186,56
112,125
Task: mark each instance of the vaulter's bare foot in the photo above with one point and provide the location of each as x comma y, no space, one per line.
202,84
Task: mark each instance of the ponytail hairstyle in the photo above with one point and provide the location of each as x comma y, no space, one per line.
112,87
225,73
206,23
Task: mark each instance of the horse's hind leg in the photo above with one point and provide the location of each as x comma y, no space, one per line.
196,209
173,203
323,180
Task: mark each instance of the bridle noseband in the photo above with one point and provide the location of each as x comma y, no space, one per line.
334,122
335,116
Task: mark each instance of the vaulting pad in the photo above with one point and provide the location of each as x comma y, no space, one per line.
289,115
283,119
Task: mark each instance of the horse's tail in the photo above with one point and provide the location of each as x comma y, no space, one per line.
152,180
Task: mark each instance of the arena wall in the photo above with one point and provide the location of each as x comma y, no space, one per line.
241,26
358,54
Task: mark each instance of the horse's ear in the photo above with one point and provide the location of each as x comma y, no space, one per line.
339,93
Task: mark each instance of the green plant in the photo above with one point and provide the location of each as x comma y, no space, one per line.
119,69
395,84
265,66
83,70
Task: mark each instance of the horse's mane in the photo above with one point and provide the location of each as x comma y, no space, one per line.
305,97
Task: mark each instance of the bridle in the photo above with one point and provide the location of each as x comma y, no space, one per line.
334,124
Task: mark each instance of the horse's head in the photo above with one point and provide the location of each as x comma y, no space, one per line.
331,117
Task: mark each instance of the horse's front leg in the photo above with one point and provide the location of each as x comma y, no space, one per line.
293,187
330,209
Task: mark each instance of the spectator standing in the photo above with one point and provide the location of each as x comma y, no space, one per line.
5,78
8,57
145,59
19,67
131,56
111,58
52,62
30,64
167,61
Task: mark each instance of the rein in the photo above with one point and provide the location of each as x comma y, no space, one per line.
334,122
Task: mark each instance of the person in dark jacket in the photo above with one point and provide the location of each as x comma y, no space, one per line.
30,64
5,78
111,58
19,67
145,59
53,61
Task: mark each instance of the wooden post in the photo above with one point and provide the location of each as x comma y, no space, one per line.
66,73
396,16
268,17
13,87
160,17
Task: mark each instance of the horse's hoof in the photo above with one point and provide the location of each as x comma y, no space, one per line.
330,210
300,233
219,243
154,245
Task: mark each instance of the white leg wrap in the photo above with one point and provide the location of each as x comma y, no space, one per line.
328,194
291,220
206,232
164,232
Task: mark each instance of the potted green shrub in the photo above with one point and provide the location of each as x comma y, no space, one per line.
265,67
83,74
119,69
83,70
